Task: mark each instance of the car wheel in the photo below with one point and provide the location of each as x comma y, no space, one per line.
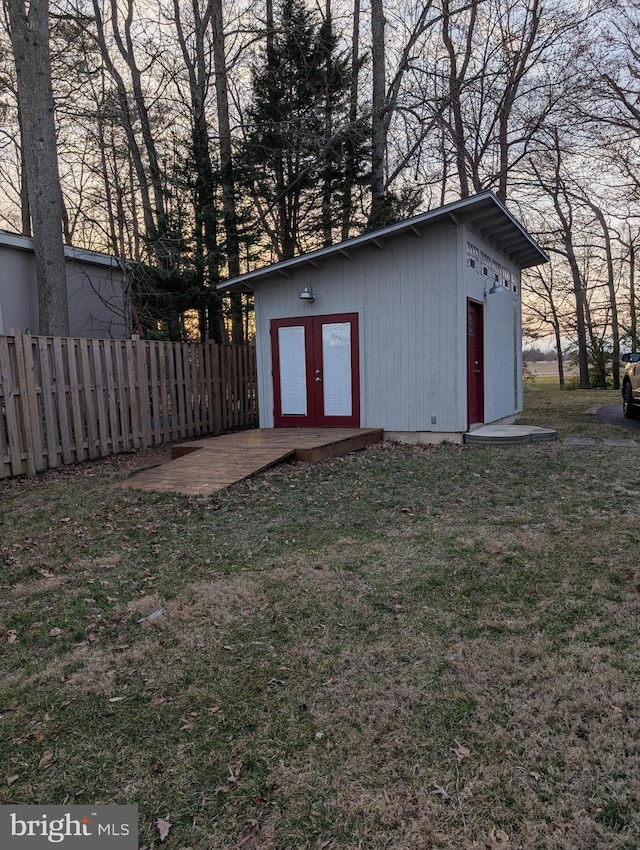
628,408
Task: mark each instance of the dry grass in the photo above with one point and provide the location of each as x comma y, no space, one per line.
406,648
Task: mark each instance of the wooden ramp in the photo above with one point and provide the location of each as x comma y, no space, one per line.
206,466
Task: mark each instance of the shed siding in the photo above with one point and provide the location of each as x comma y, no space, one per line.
18,291
407,300
502,333
96,302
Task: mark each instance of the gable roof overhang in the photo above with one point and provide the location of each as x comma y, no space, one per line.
484,214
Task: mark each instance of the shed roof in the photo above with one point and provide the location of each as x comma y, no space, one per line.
82,255
484,214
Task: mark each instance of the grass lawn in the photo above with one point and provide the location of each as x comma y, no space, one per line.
407,648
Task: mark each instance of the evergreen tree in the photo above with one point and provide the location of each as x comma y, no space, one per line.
298,133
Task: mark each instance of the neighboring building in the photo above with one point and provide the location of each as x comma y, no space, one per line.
414,328
95,286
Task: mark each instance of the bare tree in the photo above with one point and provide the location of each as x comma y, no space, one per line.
552,184
611,286
544,310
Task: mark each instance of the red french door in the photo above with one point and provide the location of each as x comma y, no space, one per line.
316,378
475,363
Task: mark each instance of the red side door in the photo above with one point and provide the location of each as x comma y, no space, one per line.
316,372
475,363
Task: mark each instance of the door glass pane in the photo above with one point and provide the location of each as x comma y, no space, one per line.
293,371
336,368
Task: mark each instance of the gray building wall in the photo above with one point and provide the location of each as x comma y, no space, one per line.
94,289
411,303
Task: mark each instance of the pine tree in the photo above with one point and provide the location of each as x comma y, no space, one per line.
298,132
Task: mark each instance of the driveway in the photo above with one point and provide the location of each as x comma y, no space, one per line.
613,414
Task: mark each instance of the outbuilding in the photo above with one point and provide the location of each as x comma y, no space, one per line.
95,290
414,328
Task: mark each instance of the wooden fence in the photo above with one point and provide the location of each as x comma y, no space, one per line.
65,400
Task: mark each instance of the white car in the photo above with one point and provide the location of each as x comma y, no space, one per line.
631,385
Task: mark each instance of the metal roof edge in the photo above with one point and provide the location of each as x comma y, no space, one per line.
83,255
448,210
543,254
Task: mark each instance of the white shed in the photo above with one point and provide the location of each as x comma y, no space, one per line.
414,328
95,289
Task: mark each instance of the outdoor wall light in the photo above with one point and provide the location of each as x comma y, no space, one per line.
497,288
307,295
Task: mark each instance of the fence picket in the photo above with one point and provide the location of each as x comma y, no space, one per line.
76,401
88,392
133,404
103,422
163,392
47,382
5,453
112,402
215,399
28,400
60,397
11,412
122,396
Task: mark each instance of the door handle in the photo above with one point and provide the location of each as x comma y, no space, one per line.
318,380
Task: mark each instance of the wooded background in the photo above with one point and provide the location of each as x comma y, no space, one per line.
204,138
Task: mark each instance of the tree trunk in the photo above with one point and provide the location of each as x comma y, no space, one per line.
559,358
25,211
350,159
611,287
126,118
229,209
194,54
519,61
456,79
30,42
127,53
377,216
633,329
328,178
554,188
581,328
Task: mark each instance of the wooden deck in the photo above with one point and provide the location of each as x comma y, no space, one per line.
203,467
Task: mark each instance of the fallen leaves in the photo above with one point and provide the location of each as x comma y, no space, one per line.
48,757
38,737
163,828
460,752
12,636
56,632
252,829
153,616
439,790
497,840
232,779
11,779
